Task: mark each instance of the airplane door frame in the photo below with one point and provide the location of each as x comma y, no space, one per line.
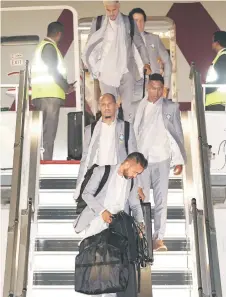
79,103
171,28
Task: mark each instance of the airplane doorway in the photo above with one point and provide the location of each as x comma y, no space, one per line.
162,26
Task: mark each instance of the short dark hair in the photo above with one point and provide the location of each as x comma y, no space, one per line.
139,158
220,37
137,10
156,77
109,94
54,28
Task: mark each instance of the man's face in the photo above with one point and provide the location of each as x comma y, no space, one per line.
155,90
139,19
59,36
112,10
132,169
108,107
214,45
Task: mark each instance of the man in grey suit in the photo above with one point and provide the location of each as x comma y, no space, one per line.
107,144
129,169
159,137
115,196
156,50
109,55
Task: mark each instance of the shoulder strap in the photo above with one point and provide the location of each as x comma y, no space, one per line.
87,178
98,23
103,180
92,127
126,133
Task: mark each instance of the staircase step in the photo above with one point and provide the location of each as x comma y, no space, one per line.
64,229
68,170
48,198
70,183
70,213
166,278
166,291
70,245
65,261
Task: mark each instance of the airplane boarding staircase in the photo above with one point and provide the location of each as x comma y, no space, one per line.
42,244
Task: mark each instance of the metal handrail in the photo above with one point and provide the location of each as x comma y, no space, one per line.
206,186
197,251
23,181
10,268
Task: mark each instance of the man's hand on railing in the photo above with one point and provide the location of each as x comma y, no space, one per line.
178,169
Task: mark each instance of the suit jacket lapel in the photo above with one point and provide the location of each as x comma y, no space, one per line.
146,36
169,125
166,114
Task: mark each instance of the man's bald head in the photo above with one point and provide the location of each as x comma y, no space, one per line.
112,9
108,107
109,95
110,2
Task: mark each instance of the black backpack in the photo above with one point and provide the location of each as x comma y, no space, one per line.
131,21
81,204
126,133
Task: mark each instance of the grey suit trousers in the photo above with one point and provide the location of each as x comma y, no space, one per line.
125,91
157,175
50,108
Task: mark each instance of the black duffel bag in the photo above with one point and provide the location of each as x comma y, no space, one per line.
138,254
125,225
102,264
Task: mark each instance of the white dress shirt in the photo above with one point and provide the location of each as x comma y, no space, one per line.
108,39
110,36
106,154
154,140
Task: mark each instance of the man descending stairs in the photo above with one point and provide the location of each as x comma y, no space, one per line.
56,243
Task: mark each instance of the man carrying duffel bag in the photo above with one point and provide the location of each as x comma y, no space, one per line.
116,193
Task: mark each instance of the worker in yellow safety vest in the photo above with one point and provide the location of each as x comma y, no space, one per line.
216,97
49,84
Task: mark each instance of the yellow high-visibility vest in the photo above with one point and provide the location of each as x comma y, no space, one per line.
219,96
42,82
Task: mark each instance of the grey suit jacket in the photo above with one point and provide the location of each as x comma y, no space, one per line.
120,146
95,205
137,40
156,49
172,122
